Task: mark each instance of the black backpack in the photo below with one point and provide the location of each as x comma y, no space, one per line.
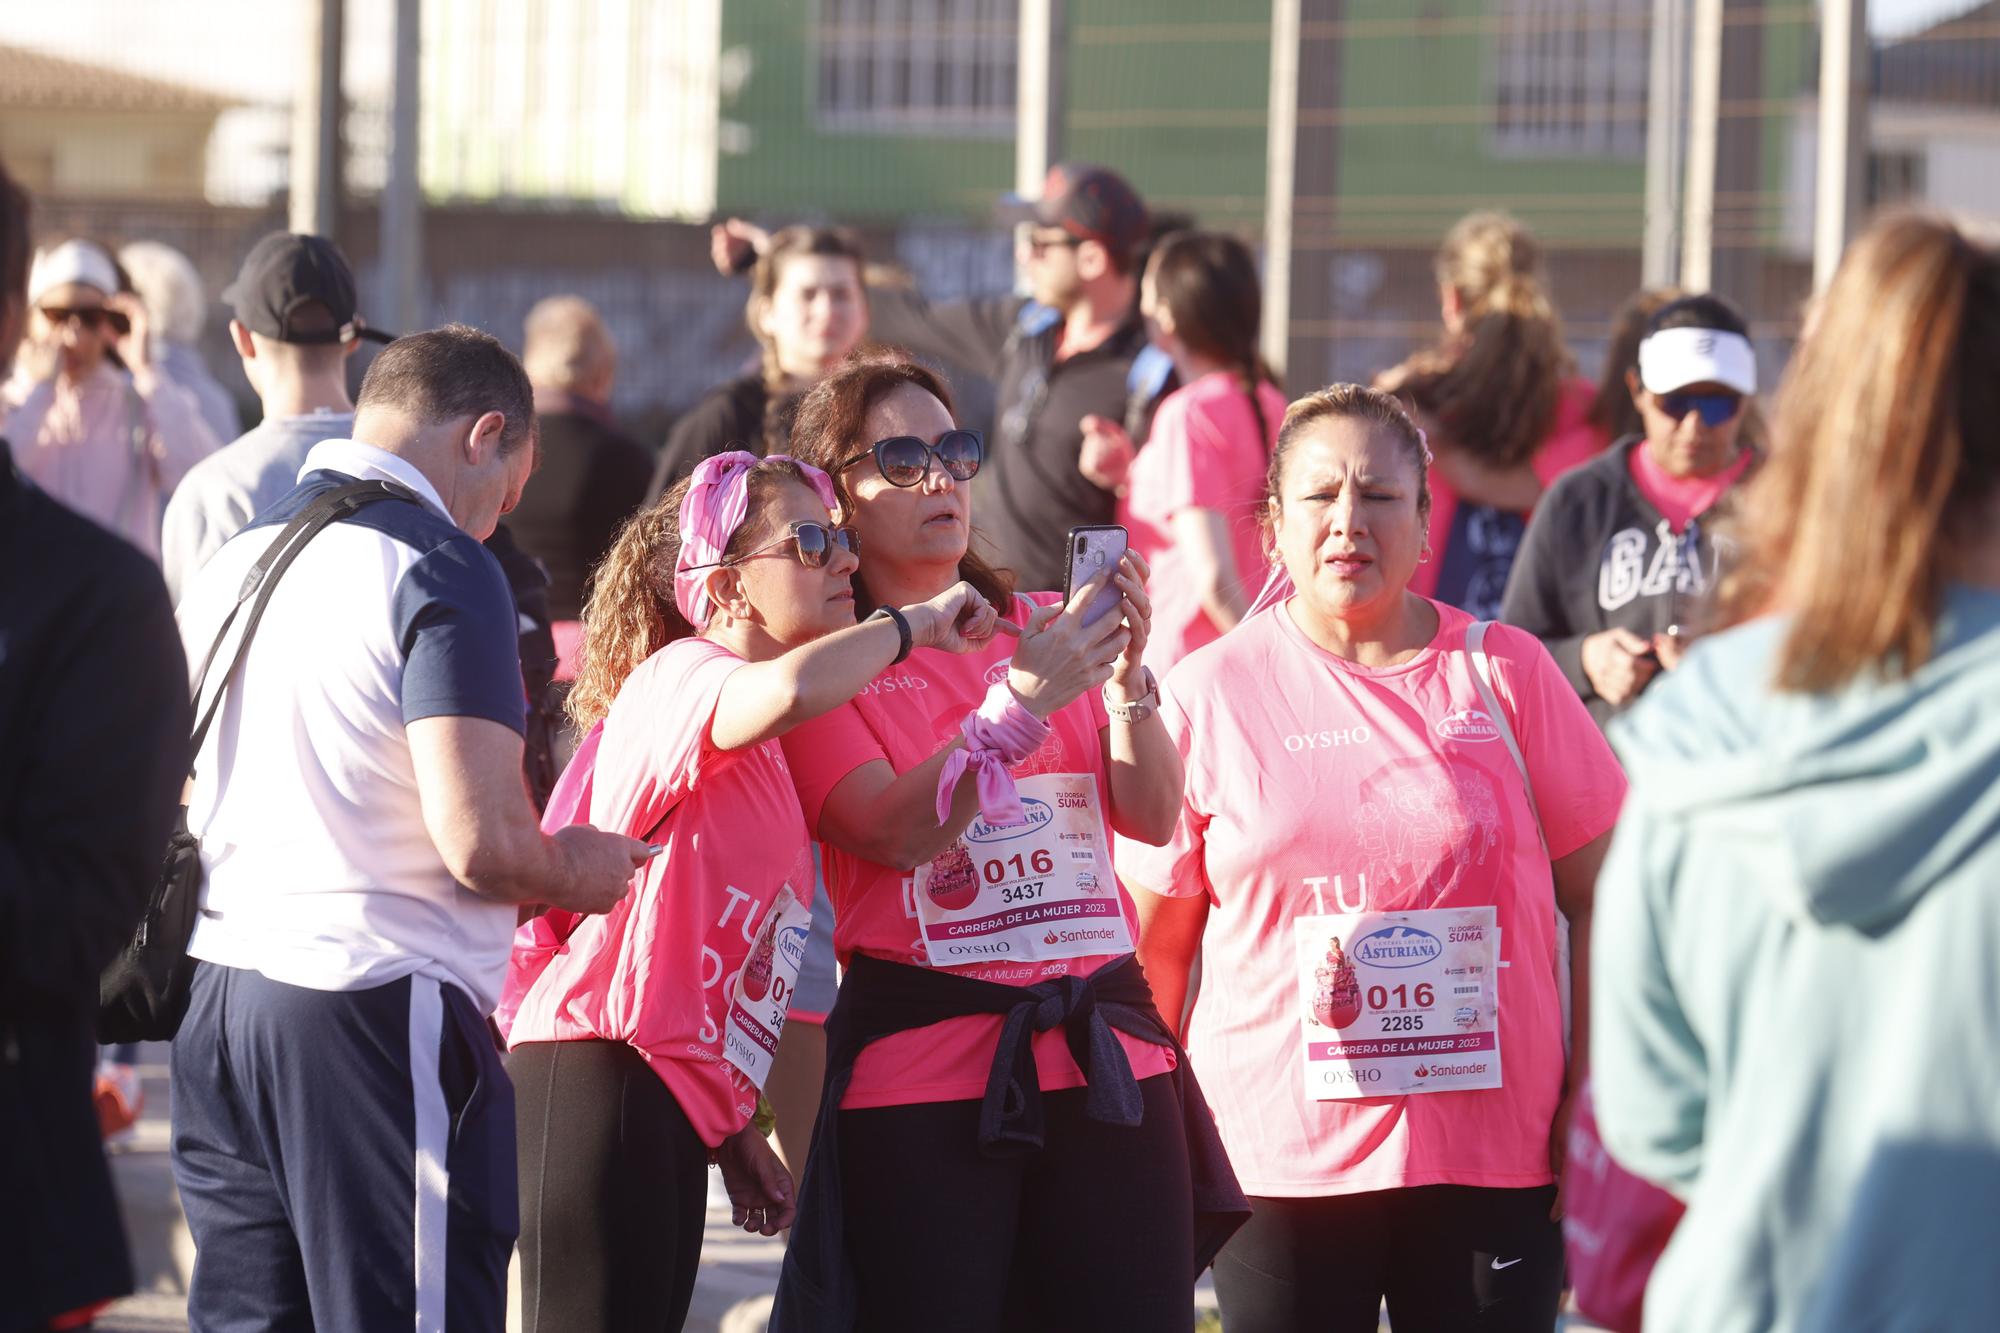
143,994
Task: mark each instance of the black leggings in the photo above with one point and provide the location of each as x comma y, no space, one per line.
1094,1232
614,1191
1447,1257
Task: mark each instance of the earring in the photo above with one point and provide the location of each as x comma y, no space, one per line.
1425,557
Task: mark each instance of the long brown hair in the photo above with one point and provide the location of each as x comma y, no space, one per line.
1886,456
631,613
829,431
788,244
1612,409
1494,386
1208,282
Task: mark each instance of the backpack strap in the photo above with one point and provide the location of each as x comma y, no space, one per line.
1482,676
326,509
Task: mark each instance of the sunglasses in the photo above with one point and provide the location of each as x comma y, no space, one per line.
815,545
905,460
1715,408
1038,245
89,316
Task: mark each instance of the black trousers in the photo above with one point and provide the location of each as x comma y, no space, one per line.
1446,1257
1094,1232
345,1158
614,1190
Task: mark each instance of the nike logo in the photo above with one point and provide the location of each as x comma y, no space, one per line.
1497,1265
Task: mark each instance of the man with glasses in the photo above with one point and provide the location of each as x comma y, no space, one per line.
93,421
1072,349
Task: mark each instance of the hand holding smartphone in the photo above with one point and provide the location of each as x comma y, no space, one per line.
1094,553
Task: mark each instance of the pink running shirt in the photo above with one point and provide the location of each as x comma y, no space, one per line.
658,970
1301,765
1205,452
905,716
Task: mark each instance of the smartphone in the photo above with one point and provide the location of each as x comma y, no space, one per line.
1091,551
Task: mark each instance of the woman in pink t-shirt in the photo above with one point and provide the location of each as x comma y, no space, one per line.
1003,1142
1190,498
721,618
1360,864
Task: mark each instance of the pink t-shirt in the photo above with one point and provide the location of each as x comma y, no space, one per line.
905,716
1572,440
662,970
1205,452
1681,500
1301,765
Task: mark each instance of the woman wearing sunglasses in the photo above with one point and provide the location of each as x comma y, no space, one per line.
1619,552
721,618
94,422
997,1074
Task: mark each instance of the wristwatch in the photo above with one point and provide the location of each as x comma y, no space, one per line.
1140,708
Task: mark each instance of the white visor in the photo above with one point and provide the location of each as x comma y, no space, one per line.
1675,358
72,261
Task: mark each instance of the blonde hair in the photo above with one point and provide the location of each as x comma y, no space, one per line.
165,279
1493,386
1885,457
630,613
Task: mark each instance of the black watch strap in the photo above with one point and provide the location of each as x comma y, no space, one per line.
902,628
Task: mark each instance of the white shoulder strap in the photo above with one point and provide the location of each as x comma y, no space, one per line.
1482,676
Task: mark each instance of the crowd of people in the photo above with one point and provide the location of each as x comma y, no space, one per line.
1179,824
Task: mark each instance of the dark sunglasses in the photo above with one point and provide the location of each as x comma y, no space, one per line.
1715,408
1042,244
89,316
905,460
815,544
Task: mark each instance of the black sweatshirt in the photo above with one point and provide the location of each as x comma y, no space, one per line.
94,723
1597,555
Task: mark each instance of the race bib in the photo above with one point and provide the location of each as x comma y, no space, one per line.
1398,1003
763,993
1040,890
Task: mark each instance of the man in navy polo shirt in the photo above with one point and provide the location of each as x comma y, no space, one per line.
343,1127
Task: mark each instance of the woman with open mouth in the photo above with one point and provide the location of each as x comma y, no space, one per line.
1360,864
997,1074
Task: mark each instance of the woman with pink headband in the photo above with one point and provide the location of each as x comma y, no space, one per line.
1004,1141
721,618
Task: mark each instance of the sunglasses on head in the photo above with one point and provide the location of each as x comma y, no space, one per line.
905,460
815,545
1715,408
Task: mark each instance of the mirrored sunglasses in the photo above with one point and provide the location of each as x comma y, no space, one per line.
1715,408
815,544
905,460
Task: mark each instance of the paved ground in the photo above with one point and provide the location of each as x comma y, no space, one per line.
738,1271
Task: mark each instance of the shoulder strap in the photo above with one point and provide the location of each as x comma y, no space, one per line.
1482,676
263,577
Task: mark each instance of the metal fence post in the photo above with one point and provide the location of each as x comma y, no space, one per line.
402,205
1704,126
316,113
1840,189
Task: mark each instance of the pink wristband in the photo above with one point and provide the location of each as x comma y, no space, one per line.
999,733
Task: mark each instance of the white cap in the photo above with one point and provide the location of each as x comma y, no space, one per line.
72,261
1675,358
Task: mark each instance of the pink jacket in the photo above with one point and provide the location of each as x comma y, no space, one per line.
111,446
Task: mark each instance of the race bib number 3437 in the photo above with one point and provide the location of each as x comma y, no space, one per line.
1397,1003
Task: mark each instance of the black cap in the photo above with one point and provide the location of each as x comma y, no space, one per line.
285,272
1090,203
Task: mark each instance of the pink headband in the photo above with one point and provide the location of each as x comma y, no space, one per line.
718,498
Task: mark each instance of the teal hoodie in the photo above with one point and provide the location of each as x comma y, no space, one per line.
1796,987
